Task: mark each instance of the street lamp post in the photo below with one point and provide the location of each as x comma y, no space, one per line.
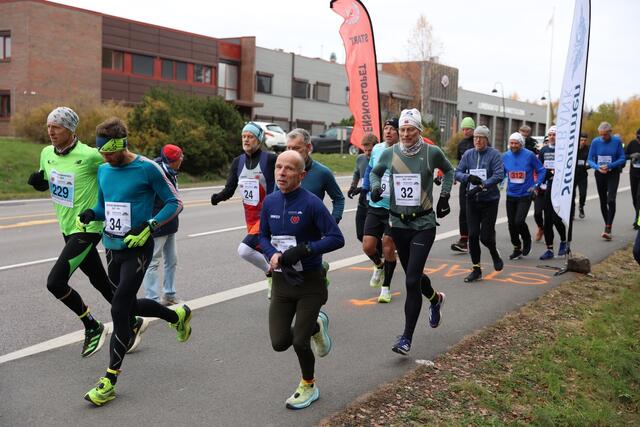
548,99
504,111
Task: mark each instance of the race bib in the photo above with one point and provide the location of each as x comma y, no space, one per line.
250,190
406,189
282,243
384,184
580,162
543,186
480,173
61,186
604,160
635,164
550,164
117,218
517,177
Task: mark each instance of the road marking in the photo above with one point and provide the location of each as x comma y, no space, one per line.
370,301
209,300
4,218
29,223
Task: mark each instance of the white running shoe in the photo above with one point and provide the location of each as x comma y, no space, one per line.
377,278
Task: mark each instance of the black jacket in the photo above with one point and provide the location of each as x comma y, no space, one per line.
632,147
464,145
583,164
172,226
530,144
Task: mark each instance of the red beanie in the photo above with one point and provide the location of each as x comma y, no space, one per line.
172,152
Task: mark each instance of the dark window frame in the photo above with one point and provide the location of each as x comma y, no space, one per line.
203,74
114,57
5,105
315,91
5,40
268,76
146,57
306,89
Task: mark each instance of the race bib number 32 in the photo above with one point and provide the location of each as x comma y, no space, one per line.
406,189
117,218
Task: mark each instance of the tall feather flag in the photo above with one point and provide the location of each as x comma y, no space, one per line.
361,66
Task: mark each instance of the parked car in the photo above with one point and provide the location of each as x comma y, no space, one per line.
275,138
328,142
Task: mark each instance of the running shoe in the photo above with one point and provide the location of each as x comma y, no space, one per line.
321,341
474,276
325,267
526,247
539,234
168,300
498,264
182,327
562,250
269,285
93,340
304,396
435,311
377,278
460,246
581,214
517,254
606,235
101,393
402,346
547,255
385,295
137,328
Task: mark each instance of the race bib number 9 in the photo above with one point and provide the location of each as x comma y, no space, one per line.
517,177
250,189
406,189
384,185
117,218
62,187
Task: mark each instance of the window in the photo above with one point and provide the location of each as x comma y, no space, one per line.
142,64
300,89
228,81
112,59
202,74
264,82
331,133
321,92
5,104
181,70
167,69
5,45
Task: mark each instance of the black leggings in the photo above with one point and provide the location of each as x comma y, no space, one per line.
581,185
538,209
126,270
79,251
361,214
462,215
634,181
413,250
302,302
607,184
481,217
636,248
551,219
517,210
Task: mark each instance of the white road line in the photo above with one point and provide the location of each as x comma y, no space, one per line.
216,298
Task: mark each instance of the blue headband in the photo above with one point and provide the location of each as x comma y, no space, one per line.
254,129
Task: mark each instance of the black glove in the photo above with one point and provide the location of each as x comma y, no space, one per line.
376,195
443,209
472,193
437,180
294,254
87,216
353,191
37,181
338,220
215,199
475,180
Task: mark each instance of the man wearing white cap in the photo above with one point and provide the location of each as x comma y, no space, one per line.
520,165
411,165
481,170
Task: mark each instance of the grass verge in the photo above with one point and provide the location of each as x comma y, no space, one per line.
572,357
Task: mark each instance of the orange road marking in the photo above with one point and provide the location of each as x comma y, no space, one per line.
429,270
455,270
369,301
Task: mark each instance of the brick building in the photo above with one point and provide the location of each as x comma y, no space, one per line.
110,58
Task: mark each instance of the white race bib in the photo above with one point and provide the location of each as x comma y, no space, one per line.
61,186
636,164
282,243
250,190
384,185
406,189
549,164
580,162
117,218
604,160
480,173
517,177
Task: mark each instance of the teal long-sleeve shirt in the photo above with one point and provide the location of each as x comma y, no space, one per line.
126,195
319,180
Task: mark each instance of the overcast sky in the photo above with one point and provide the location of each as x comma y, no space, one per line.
495,40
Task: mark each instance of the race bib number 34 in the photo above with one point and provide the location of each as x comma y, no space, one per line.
250,189
406,189
62,186
117,218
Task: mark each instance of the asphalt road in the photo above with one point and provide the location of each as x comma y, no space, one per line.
227,373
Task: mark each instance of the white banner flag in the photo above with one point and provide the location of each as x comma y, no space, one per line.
570,111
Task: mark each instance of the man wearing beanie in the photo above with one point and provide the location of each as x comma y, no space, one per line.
632,153
411,165
466,143
127,186
164,237
68,169
520,166
481,170
582,178
377,243
253,172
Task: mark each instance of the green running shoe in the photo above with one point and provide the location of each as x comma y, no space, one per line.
321,341
377,278
183,329
304,396
385,295
93,340
137,329
325,267
102,393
